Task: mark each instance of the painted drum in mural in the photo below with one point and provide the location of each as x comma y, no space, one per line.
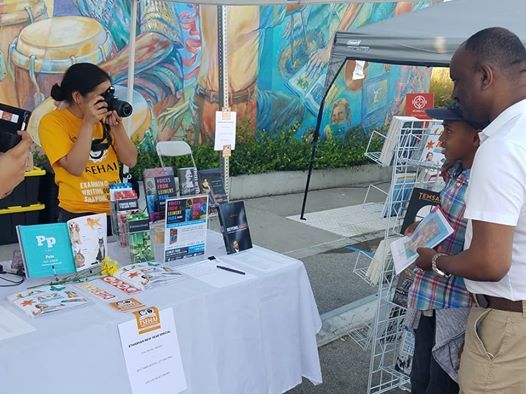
141,118
44,50
14,16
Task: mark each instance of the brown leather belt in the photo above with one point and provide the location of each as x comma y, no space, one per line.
502,304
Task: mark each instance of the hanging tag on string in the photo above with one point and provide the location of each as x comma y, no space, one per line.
227,151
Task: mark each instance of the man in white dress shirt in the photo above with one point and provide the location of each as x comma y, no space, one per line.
489,75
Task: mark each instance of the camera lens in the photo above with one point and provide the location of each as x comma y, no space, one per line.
123,108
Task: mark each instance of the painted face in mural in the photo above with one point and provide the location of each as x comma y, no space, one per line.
341,113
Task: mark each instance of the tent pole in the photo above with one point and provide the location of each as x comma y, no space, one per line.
131,76
131,58
315,138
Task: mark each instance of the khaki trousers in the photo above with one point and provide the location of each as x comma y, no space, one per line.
494,357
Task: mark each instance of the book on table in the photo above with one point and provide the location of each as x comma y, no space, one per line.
234,226
188,181
185,227
211,183
63,248
159,185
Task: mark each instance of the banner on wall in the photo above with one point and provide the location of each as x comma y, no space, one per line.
417,103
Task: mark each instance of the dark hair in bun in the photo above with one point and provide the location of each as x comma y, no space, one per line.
80,77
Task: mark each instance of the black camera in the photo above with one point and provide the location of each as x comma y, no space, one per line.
12,119
123,108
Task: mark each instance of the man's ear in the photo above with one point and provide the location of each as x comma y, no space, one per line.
487,76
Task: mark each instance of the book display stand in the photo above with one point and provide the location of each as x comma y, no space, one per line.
403,148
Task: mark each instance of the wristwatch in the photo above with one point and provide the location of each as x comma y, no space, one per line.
437,270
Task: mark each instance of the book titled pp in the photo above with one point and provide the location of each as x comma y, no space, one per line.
234,226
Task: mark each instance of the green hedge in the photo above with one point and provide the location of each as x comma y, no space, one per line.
265,154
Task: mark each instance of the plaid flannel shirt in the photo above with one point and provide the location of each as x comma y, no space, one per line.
429,290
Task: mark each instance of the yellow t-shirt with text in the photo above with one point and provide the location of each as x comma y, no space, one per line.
58,131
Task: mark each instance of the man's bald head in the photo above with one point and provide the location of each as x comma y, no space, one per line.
489,74
499,47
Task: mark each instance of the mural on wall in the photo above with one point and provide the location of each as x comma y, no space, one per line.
277,62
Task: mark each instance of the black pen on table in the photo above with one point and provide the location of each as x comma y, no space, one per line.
221,267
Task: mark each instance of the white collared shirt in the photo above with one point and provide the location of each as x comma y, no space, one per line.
497,194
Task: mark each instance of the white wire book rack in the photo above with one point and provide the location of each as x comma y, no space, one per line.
411,147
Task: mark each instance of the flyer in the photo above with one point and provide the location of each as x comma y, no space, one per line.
185,231
151,352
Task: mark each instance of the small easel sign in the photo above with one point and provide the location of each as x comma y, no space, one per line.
225,131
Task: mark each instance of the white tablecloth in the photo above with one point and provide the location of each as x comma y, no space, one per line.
254,337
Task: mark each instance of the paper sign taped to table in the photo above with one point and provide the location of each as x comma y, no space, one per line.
225,130
151,351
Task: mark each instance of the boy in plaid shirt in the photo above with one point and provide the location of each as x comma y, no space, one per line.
441,304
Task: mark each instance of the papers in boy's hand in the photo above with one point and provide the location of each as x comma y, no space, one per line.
429,233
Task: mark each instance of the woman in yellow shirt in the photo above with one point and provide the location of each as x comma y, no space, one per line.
84,142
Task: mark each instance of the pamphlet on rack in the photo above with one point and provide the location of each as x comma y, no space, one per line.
399,194
429,233
46,299
63,248
151,352
234,226
185,228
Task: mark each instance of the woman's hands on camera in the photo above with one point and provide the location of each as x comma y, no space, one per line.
96,110
113,119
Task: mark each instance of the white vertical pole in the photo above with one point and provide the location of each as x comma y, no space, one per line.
131,60
131,71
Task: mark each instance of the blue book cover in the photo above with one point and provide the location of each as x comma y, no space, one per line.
46,250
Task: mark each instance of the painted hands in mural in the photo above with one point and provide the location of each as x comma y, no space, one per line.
319,59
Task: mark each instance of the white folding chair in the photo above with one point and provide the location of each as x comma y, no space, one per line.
172,149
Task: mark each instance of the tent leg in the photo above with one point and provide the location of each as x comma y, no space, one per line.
316,136
311,164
